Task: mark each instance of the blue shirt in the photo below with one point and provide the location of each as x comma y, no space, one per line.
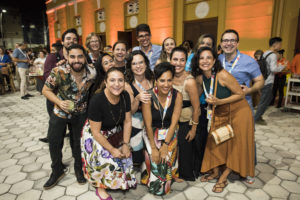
244,71
188,64
4,59
19,54
153,54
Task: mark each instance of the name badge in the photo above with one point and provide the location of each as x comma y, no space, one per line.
162,133
209,113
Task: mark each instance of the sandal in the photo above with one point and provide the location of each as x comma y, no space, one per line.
220,186
208,177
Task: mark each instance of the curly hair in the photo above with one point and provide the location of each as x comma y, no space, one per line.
196,70
129,74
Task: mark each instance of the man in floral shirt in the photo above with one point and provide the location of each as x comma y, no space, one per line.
72,82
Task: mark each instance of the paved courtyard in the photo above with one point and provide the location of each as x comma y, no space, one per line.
25,161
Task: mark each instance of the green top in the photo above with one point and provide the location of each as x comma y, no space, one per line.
222,92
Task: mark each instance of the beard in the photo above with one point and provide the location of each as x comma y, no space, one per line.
77,69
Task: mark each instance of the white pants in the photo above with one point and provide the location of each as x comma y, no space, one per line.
23,86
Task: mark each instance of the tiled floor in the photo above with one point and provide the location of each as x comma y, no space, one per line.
25,161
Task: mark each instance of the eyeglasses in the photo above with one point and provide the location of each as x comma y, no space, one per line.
229,41
94,41
143,36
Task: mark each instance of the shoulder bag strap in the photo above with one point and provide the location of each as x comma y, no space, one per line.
213,109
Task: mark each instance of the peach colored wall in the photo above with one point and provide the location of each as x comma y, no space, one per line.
252,19
160,19
114,19
51,25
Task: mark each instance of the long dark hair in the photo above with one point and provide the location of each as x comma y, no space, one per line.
100,73
129,74
196,71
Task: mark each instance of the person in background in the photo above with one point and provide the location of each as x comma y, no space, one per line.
119,54
94,44
161,116
258,54
102,65
266,91
152,51
4,69
205,40
106,156
280,79
72,82
295,69
295,65
22,60
237,153
185,83
39,66
108,49
139,78
167,46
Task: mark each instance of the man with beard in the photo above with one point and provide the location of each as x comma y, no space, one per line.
72,82
69,37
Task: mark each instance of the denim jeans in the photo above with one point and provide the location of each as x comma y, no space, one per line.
264,102
56,133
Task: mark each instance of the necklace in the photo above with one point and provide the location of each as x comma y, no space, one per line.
120,113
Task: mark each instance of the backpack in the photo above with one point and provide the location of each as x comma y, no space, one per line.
263,65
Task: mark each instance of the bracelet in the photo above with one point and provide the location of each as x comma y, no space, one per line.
193,123
126,144
167,143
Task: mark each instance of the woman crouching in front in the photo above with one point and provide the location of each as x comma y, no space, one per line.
161,116
107,162
237,153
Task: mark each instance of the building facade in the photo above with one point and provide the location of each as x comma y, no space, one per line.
255,20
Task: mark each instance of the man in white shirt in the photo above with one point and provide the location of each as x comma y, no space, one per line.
272,66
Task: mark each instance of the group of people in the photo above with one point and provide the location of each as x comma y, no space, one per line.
149,111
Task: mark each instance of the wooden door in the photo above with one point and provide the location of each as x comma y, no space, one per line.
194,29
297,44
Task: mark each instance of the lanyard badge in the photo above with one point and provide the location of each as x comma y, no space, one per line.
211,90
233,65
162,133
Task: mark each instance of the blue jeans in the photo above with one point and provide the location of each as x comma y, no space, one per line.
264,102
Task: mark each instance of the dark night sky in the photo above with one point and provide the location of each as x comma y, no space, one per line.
31,12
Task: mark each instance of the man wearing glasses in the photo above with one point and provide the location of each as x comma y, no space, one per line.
152,51
244,68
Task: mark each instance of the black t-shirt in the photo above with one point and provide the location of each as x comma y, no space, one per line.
101,110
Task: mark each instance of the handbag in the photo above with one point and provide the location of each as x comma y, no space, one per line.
223,133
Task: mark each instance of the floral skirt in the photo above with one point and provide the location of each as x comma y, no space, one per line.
159,177
99,166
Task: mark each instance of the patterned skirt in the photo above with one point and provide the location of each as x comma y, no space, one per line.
159,177
100,168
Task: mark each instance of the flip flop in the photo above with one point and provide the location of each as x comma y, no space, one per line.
208,177
220,186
